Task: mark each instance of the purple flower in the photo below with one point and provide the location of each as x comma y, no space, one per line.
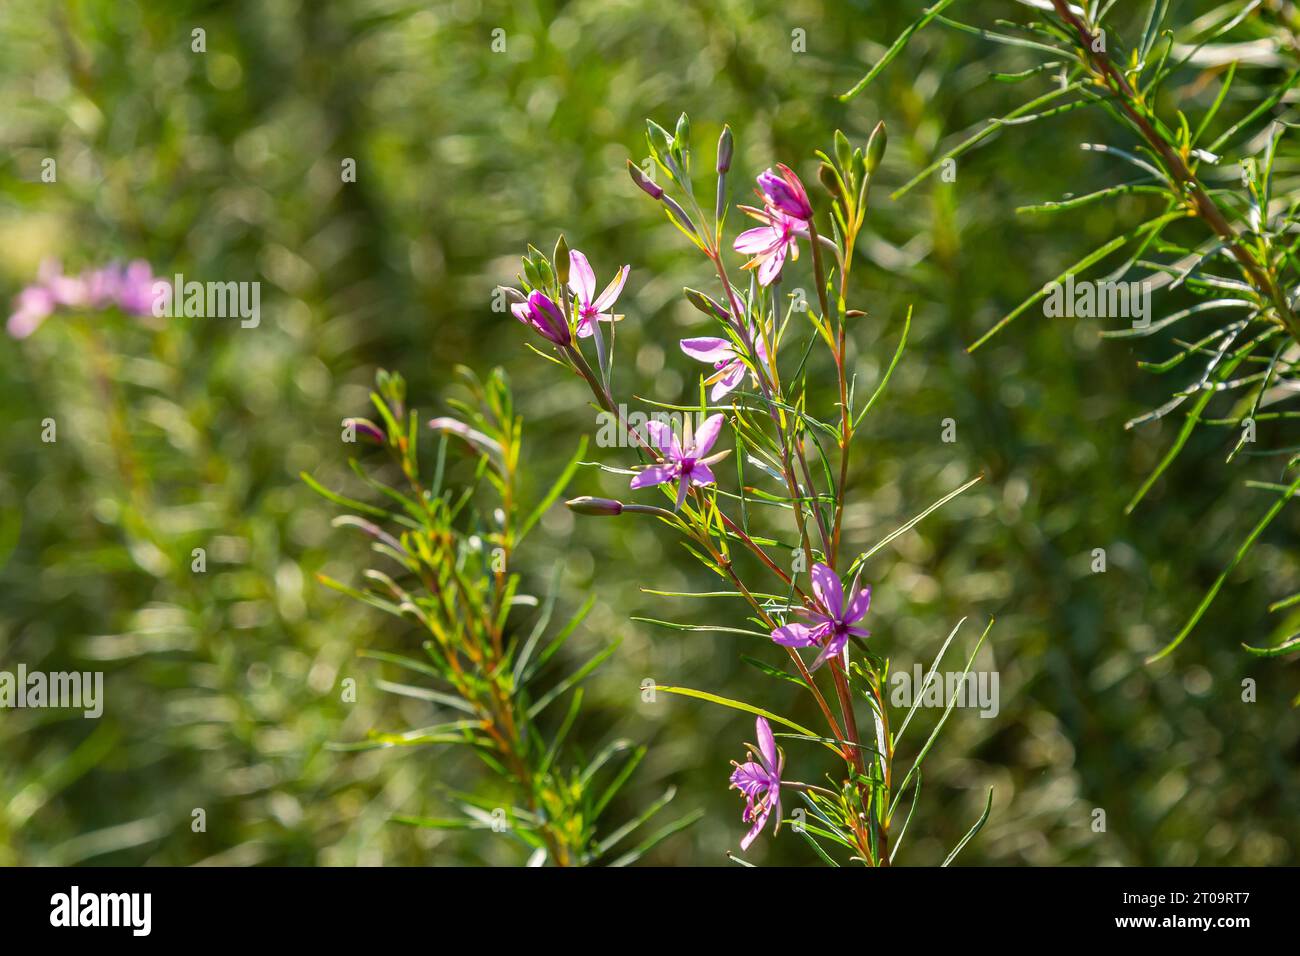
770,243
687,466
760,782
832,620
544,316
722,355
785,192
591,307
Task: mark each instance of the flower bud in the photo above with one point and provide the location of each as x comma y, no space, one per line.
367,430
784,191
658,138
725,147
514,295
876,147
546,273
561,259
679,215
682,142
829,180
601,507
706,305
644,182
532,275
682,136
843,152
546,318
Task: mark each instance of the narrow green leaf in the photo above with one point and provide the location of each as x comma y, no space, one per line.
896,48
734,705
1246,545
979,824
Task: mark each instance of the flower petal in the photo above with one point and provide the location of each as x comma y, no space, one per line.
611,293
769,270
762,239
766,743
702,474
834,647
662,438
829,591
754,831
749,778
732,376
582,281
793,635
706,435
708,349
858,606
654,475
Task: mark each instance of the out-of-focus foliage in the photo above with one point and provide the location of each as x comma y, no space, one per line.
223,687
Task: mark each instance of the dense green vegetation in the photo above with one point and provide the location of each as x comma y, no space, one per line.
224,688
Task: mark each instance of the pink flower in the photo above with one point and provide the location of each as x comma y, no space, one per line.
589,306
785,192
760,783
721,353
833,621
769,244
686,466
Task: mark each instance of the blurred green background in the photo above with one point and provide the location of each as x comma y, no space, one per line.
223,688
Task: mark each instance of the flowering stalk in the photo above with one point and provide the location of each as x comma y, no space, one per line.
455,584
774,433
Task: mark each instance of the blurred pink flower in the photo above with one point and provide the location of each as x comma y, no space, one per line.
130,288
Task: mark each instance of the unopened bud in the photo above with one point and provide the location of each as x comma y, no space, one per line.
705,304
843,151
830,180
561,260
876,147
725,147
644,182
682,136
602,507
367,429
679,215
